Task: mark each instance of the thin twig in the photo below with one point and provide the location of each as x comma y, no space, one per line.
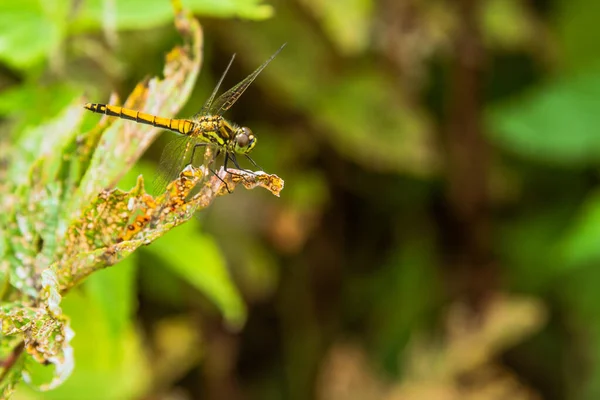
8,363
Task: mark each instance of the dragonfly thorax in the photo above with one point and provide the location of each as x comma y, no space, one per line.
230,137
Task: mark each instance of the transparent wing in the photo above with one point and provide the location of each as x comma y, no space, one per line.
227,99
175,156
208,103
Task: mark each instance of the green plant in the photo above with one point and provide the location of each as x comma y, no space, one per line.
60,223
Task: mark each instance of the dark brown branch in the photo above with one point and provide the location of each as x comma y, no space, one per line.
468,162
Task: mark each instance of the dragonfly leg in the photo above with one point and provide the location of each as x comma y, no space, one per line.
225,163
233,158
235,162
212,171
252,161
194,151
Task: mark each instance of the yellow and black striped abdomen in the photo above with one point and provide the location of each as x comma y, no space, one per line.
183,126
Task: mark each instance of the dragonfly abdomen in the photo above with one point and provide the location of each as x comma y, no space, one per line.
183,126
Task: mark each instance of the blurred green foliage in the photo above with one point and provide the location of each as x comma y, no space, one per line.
379,273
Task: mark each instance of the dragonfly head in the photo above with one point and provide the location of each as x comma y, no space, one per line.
244,140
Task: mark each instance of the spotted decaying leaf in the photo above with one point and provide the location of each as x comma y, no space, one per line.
44,331
118,222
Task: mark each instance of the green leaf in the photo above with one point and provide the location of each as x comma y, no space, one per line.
31,103
249,9
507,24
558,123
31,230
347,23
581,244
529,247
396,140
47,140
196,258
143,14
31,30
114,292
578,32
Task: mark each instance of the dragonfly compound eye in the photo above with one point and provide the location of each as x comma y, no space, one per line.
245,140
242,140
248,132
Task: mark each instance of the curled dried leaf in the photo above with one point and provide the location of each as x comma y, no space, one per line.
118,222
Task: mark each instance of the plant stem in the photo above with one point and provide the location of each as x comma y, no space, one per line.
8,363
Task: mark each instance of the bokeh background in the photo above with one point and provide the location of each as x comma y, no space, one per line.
439,233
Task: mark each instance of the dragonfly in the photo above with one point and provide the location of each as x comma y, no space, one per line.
208,127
